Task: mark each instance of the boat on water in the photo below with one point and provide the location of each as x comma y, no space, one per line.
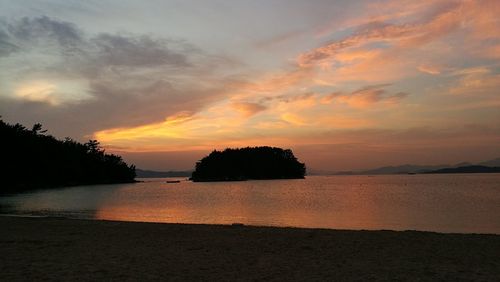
173,181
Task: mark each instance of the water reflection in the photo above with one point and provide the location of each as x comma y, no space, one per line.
459,203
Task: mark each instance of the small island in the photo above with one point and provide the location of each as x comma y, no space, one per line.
249,163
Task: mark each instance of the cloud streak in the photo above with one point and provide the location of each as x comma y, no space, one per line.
365,97
248,109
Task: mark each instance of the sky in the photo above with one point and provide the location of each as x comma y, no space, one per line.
347,85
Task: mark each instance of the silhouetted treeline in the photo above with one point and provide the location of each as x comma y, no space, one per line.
249,163
31,159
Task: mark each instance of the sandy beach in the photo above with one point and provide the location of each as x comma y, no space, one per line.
36,249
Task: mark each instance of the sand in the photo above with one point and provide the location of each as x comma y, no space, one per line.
36,249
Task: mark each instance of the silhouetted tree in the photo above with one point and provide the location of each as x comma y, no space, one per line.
249,163
37,128
31,159
93,146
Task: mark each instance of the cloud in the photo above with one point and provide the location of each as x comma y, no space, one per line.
430,69
365,97
292,101
476,81
56,71
138,51
32,30
382,48
377,32
294,119
38,92
406,39
392,46
276,82
375,12
248,109
6,48
491,52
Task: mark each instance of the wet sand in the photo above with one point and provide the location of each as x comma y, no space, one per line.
35,249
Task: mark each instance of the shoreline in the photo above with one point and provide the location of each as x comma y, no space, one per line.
238,224
38,248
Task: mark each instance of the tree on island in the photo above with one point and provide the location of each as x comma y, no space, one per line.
249,163
30,160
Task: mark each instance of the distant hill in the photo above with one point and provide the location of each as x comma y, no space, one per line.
157,174
409,168
468,169
249,163
492,163
402,169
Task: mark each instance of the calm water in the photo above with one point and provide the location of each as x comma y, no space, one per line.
466,203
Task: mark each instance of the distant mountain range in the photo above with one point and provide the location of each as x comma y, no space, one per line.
467,169
494,162
409,168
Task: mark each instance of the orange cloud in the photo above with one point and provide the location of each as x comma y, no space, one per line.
295,102
248,109
172,128
430,69
474,81
293,119
353,55
382,50
272,83
379,33
491,52
376,12
482,19
364,97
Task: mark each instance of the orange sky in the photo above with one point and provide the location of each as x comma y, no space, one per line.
345,85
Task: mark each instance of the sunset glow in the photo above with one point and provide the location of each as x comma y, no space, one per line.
346,85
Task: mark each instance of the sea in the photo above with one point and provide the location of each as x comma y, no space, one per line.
450,203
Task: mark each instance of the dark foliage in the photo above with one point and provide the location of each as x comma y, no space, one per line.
30,160
249,163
